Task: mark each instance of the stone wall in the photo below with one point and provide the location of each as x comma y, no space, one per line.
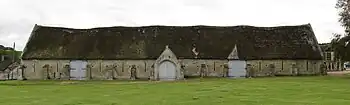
213,68
334,65
3,75
34,69
285,67
121,69
97,70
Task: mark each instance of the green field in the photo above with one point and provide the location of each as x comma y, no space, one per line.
258,91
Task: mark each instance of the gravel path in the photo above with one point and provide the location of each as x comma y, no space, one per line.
339,73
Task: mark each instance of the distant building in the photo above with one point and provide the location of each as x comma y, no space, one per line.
170,52
8,63
5,48
332,63
3,55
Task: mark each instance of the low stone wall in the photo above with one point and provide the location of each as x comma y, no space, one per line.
121,69
284,67
211,68
97,69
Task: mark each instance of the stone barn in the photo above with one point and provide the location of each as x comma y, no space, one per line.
169,52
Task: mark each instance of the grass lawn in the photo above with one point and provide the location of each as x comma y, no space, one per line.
259,91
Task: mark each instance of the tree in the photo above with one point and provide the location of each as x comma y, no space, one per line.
340,42
344,12
337,46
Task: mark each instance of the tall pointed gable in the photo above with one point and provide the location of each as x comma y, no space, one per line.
234,54
167,54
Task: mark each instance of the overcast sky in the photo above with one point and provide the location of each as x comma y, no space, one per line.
17,17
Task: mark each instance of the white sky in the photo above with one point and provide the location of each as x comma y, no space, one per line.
17,17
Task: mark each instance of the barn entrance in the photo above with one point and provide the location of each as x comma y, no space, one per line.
237,68
78,70
167,71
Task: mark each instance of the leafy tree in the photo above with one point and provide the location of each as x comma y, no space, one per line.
339,42
344,12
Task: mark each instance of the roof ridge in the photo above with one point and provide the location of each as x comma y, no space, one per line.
146,26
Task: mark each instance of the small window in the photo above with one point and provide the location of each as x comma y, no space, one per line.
328,56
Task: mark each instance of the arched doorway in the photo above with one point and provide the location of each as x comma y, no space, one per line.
167,71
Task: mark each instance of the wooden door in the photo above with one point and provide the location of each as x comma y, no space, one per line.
78,70
167,71
237,68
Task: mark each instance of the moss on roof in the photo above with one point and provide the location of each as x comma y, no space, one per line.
148,42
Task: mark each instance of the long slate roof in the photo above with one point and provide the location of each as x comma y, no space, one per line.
148,42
